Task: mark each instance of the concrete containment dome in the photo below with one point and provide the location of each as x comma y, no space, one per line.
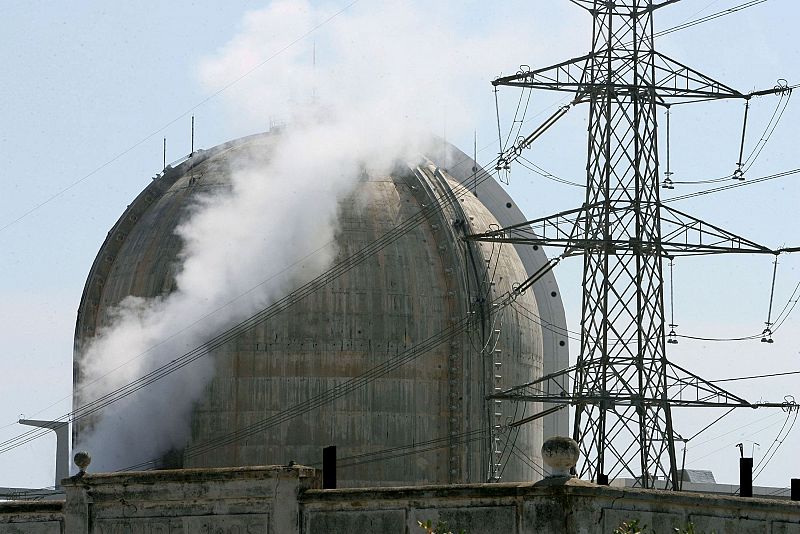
425,422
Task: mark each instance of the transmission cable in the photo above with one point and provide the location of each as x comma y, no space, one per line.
517,123
268,312
527,460
212,312
528,314
776,444
744,163
213,95
708,18
781,317
333,393
655,35
321,399
349,385
716,438
769,129
721,339
261,316
412,448
753,377
265,314
533,167
732,186
779,320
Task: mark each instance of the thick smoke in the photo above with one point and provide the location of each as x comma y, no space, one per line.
383,79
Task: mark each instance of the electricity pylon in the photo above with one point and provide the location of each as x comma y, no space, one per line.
623,386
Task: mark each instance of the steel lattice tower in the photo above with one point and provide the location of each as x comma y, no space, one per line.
622,341
623,386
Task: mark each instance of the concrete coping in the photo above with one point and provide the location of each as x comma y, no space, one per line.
488,490
569,480
31,507
553,487
191,475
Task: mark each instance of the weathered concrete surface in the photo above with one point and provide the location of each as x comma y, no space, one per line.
287,500
762,492
542,508
226,501
412,289
548,296
45,517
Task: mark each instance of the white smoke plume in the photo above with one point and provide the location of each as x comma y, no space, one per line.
385,78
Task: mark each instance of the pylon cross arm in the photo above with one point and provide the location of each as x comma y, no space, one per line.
590,5
675,81
567,76
683,389
681,234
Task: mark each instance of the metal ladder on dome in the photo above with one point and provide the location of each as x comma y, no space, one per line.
497,410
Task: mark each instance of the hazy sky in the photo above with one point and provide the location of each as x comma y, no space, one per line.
90,89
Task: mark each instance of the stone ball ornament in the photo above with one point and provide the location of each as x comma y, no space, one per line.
82,459
561,455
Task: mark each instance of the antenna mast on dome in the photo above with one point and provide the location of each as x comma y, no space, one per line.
623,385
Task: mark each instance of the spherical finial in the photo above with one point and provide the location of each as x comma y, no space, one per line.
560,454
82,460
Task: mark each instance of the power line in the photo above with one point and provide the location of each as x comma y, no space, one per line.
707,18
536,319
753,377
250,325
211,313
779,321
732,186
756,150
349,385
777,443
533,167
176,119
334,393
265,314
623,283
769,129
530,462
695,460
412,448
699,338
715,438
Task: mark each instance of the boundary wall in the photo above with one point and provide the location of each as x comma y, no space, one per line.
287,500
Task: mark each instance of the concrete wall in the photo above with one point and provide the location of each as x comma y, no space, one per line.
191,501
541,509
32,517
286,500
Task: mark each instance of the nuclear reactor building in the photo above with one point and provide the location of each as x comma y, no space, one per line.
428,421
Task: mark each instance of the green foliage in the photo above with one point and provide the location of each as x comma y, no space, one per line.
439,528
630,527
689,529
633,527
